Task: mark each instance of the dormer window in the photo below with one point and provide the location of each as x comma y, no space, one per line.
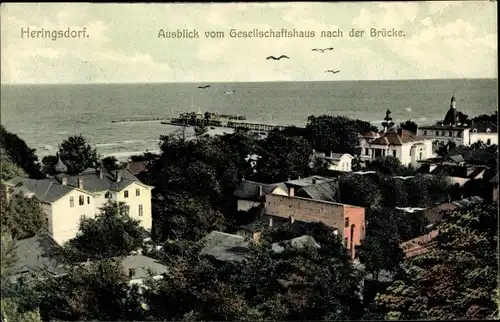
488,130
474,131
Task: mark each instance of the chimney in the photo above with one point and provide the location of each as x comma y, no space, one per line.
292,219
400,131
271,222
64,181
118,176
80,183
131,272
291,191
260,191
99,173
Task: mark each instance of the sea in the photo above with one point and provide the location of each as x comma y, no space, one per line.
45,115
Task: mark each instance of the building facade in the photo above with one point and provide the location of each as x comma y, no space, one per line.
67,199
485,132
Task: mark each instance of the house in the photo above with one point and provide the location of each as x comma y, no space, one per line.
404,145
348,219
313,187
137,268
460,173
35,260
486,132
494,183
435,214
66,199
338,161
249,194
224,247
452,128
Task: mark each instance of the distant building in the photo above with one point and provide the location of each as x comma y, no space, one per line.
399,143
339,161
348,220
453,128
224,247
67,199
485,132
460,173
250,194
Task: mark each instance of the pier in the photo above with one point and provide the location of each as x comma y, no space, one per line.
255,126
144,119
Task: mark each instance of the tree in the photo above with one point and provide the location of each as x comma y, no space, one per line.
11,312
22,217
9,168
409,125
493,118
110,163
394,192
112,233
77,154
388,165
456,279
49,163
200,130
336,133
359,190
96,291
283,157
20,154
427,190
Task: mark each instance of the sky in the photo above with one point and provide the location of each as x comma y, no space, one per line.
443,39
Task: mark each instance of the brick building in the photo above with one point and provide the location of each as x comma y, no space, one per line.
349,220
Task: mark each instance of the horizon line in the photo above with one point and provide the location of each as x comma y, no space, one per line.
233,82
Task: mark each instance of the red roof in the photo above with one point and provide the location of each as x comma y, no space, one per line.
399,137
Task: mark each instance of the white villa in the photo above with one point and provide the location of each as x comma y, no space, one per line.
339,161
401,144
66,199
485,132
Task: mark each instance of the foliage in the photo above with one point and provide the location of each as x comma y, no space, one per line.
97,291
427,190
22,217
8,256
11,312
20,154
200,130
394,192
359,190
477,187
493,118
112,233
444,148
336,133
9,169
49,163
283,157
389,165
454,280
184,217
77,154
409,125
110,163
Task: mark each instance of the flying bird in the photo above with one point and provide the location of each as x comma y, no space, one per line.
206,86
322,50
332,71
278,58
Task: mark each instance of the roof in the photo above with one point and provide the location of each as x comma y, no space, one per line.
466,172
298,242
324,191
138,166
458,158
399,137
94,183
45,190
458,128
142,264
371,134
337,156
249,190
482,127
308,181
434,214
33,255
467,201
225,247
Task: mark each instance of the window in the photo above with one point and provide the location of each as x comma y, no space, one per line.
71,202
450,133
346,222
366,151
125,194
82,217
425,132
346,242
140,210
127,210
488,130
108,195
88,200
137,192
437,133
488,142
474,131
420,156
81,200
442,133
394,153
